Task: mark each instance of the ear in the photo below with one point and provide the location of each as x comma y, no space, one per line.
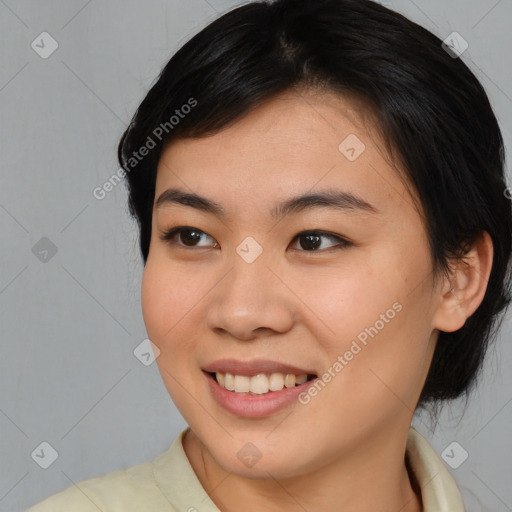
464,290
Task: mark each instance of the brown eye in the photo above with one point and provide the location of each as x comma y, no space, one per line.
186,237
189,237
311,241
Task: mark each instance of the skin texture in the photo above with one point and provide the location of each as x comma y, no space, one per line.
344,450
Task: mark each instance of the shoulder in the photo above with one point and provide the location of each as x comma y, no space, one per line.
131,489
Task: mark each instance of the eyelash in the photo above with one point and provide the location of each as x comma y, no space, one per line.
170,235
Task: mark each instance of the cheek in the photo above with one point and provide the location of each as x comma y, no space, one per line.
154,301
375,315
168,300
168,295
173,297
344,300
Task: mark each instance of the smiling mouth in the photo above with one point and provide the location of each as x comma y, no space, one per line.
261,383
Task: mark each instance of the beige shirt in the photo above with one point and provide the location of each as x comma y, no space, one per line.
168,483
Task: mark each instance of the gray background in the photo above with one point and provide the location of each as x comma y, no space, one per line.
70,324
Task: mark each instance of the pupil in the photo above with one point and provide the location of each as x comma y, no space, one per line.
194,237
313,242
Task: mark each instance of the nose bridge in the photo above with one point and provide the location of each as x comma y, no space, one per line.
249,281
250,296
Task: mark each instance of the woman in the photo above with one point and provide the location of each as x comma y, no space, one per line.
319,188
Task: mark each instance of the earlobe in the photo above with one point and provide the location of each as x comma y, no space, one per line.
462,293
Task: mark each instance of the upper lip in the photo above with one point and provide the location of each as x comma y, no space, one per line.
254,367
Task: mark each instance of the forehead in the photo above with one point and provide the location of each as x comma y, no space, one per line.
296,142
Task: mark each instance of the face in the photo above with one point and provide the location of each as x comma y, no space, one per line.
336,287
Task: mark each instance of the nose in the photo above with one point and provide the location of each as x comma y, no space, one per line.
251,301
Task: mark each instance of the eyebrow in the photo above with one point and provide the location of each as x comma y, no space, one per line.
335,199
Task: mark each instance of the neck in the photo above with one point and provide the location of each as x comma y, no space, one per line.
372,477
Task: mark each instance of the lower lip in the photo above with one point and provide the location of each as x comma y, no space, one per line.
255,406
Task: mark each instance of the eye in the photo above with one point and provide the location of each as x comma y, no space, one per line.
187,236
311,241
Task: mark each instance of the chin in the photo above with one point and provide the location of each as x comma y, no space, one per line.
258,459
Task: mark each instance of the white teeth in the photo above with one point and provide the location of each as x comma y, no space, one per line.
276,381
229,382
261,383
300,379
289,380
242,384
